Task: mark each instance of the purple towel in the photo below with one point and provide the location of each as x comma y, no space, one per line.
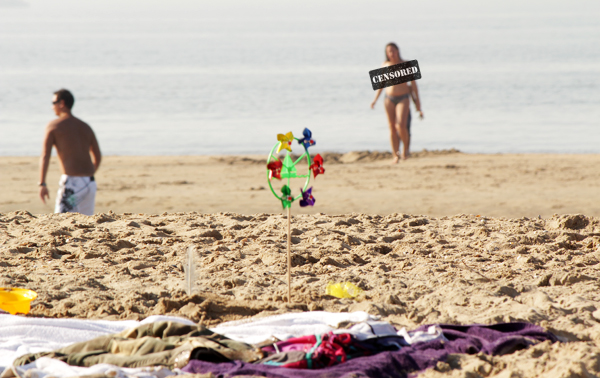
495,339
381,365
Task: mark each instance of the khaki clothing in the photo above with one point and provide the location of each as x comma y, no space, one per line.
168,344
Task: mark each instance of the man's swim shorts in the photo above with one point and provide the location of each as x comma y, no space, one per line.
76,194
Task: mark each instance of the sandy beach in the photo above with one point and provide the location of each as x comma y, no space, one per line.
436,183
445,237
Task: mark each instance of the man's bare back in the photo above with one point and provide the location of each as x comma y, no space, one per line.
73,139
76,145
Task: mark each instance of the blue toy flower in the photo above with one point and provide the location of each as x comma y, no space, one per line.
307,141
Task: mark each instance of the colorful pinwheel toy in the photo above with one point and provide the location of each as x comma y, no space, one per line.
286,169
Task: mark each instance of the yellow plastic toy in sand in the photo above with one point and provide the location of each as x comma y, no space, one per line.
15,300
343,290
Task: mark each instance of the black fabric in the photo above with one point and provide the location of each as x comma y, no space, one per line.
205,354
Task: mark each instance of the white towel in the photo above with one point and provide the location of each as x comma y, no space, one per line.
49,367
20,335
289,325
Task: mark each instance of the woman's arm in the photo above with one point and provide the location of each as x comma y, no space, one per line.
414,93
376,98
384,64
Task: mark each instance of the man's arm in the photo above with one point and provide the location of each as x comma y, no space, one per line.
45,162
95,151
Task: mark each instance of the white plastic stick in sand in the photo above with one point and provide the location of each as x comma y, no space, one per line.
190,269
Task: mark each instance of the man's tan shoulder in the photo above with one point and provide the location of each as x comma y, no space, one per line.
53,125
81,123
68,122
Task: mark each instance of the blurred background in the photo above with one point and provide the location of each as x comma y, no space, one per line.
199,77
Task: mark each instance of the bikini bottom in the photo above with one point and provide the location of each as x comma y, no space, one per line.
396,99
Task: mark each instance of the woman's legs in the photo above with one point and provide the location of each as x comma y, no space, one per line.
390,110
402,110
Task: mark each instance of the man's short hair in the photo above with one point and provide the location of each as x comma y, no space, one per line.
66,96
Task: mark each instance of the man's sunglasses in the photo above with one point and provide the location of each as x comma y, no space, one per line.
56,102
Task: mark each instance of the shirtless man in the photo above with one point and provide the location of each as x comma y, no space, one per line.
397,106
75,142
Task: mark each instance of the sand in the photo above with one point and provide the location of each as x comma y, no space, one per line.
434,183
495,261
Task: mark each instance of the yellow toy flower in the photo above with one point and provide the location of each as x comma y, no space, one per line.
285,141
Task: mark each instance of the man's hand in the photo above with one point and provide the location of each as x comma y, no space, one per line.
44,194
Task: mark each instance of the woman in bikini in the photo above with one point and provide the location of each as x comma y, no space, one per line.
397,106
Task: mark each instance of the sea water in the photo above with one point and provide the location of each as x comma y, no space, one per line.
194,78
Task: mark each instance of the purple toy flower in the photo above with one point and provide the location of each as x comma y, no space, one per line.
307,198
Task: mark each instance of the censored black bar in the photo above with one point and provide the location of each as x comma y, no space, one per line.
396,74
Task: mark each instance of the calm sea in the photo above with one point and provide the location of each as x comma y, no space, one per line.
194,77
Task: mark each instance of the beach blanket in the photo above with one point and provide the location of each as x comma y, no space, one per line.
21,335
172,345
496,339
165,343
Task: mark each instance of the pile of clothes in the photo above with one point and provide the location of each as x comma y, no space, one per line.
363,348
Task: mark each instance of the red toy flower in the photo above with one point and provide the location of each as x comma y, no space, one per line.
317,166
275,167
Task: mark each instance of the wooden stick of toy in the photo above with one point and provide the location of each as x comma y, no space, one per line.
289,254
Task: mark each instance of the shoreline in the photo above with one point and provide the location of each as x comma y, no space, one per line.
432,183
419,153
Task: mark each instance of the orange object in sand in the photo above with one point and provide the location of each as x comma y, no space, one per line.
15,300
